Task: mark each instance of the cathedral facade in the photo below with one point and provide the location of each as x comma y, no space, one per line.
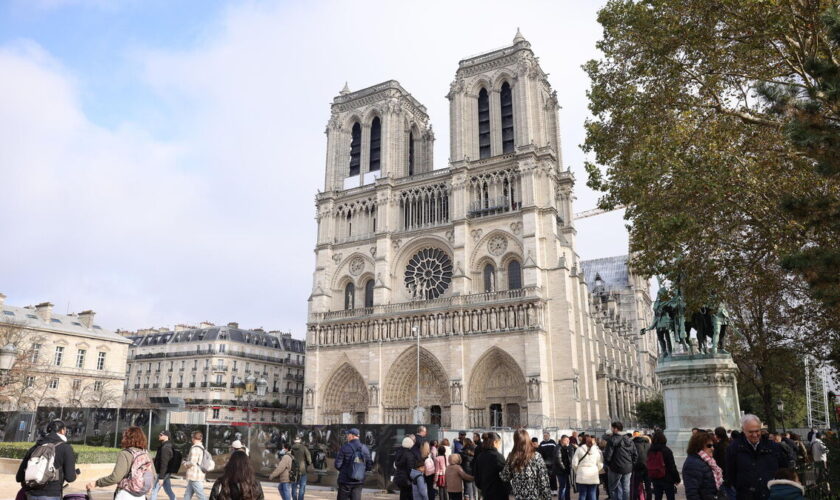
466,277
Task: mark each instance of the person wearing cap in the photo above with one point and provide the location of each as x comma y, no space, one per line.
304,460
163,456
349,488
238,446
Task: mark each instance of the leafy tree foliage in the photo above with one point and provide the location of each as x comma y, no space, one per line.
651,413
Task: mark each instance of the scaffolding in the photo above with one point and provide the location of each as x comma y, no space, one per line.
816,394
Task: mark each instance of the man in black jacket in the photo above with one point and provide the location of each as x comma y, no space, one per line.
487,467
619,456
162,458
64,462
563,467
546,449
752,460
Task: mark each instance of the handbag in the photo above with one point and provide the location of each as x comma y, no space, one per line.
441,481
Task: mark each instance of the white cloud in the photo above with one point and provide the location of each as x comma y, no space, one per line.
217,221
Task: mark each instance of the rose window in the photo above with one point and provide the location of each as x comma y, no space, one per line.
428,274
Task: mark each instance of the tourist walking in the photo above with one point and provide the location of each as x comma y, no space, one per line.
404,461
134,471
353,461
619,456
562,467
167,462
194,472
587,463
456,477
639,481
282,473
525,470
300,453
701,476
661,467
752,461
487,468
238,481
39,482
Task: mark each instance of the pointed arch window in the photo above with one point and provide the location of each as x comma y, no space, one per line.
355,149
411,153
369,293
514,272
506,100
483,124
349,296
489,278
375,144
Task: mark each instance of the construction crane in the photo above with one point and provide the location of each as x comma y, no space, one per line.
816,395
595,211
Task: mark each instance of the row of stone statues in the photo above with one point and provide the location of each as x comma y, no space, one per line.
673,326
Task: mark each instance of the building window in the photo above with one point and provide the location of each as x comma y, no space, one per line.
222,348
53,383
80,358
207,363
97,386
77,384
215,413
36,353
507,118
59,355
30,381
375,144
218,379
489,278
349,299
411,153
514,275
100,361
355,149
483,124
369,293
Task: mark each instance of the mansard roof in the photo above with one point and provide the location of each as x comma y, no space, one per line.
229,333
27,317
612,270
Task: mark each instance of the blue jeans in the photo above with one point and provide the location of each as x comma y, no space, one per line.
285,490
167,487
618,485
196,487
299,487
588,491
564,487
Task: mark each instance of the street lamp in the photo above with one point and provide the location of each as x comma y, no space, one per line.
248,388
780,405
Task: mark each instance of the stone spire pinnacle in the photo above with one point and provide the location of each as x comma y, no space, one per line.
518,38
345,90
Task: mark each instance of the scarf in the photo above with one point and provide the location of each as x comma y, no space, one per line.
715,469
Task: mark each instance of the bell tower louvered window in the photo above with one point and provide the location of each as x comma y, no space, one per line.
507,118
375,144
483,124
410,153
355,149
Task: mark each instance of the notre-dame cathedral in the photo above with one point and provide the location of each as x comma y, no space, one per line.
473,265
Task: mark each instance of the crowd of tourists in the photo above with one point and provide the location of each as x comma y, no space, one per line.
744,464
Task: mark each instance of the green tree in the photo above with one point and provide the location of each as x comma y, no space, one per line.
651,413
703,163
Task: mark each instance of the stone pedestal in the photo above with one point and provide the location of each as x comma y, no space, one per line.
699,391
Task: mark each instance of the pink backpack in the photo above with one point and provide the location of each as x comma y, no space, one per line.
140,477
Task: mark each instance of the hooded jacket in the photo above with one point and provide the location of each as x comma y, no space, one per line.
642,446
782,489
301,454
65,464
620,454
672,474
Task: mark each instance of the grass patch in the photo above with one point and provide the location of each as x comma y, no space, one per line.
84,454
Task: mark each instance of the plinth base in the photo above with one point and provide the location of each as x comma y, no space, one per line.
699,391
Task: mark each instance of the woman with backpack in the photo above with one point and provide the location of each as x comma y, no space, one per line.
134,472
238,481
661,468
281,472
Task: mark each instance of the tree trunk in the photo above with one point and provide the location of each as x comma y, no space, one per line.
769,408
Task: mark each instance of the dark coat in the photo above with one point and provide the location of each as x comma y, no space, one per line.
672,474
642,446
344,461
162,458
546,450
719,454
620,454
789,447
781,489
486,470
698,479
563,459
748,470
404,461
65,464
467,458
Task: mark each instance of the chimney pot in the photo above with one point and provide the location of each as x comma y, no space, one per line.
2,299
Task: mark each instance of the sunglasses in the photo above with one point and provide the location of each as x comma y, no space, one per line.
710,445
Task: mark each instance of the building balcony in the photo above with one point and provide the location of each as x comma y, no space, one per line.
179,385
218,385
192,384
219,368
167,386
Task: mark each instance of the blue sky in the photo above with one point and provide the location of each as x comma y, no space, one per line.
164,156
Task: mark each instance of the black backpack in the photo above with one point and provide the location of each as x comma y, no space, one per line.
175,462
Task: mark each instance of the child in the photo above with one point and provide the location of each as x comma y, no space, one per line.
418,481
455,477
786,486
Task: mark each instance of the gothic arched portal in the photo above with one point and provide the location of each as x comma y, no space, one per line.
399,395
498,393
345,395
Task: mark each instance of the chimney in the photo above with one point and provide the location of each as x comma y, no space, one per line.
233,324
206,324
86,318
2,299
181,327
44,311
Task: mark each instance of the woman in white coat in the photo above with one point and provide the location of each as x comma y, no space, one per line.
587,464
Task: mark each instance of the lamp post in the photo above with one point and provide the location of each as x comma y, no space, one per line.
781,407
418,413
248,388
